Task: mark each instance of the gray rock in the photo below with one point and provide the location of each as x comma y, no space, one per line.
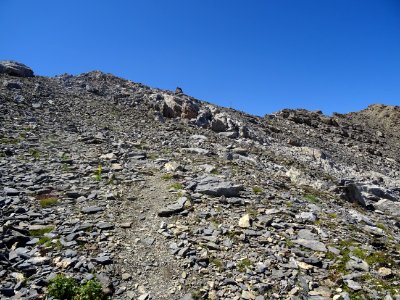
196,151
219,123
357,264
311,244
379,191
187,297
389,207
214,186
11,191
144,296
148,241
126,276
353,285
91,209
104,225
173,208
39,260
351,193
70,253
14,68
104,260
12,85
307,217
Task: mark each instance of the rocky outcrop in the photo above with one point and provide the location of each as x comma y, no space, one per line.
14,68
174,107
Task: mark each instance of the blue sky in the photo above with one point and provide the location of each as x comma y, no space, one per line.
258,56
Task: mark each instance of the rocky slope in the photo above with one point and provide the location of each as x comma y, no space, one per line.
162,196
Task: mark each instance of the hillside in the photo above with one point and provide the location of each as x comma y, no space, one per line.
162,196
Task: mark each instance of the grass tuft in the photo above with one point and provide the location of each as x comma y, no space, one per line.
244,264
257,190
311,198
47,202
176,186
41,232
167,176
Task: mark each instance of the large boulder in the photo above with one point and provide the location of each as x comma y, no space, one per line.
350,192
219,123
174,107
14,68
379,192
190,110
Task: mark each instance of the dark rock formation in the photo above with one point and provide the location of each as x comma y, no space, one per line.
14,68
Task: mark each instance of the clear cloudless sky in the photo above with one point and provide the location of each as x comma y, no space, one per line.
258,56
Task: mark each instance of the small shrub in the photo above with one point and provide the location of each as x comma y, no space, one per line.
381,226
177,186
9,140
44,240
65,156
379,259
244,264
91,290
97,173
217,263
65,167
47,202
252,212
62,287
311,198
167,176
330,255
289,243
196,295
257,190
34,153
359,253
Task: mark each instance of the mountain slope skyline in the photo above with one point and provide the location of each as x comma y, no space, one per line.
259,58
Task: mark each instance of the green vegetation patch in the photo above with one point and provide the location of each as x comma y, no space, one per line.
167,176
47,200
217,263
257,190
44,240
244,264
9,140
41,232
63,287
176,186
34,153
98,172
311,198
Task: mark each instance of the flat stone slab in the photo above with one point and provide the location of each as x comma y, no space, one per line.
104,260
311,244
104,225
173,208
91,209
215,186
11,191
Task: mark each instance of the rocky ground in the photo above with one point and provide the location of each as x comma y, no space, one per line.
162,196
